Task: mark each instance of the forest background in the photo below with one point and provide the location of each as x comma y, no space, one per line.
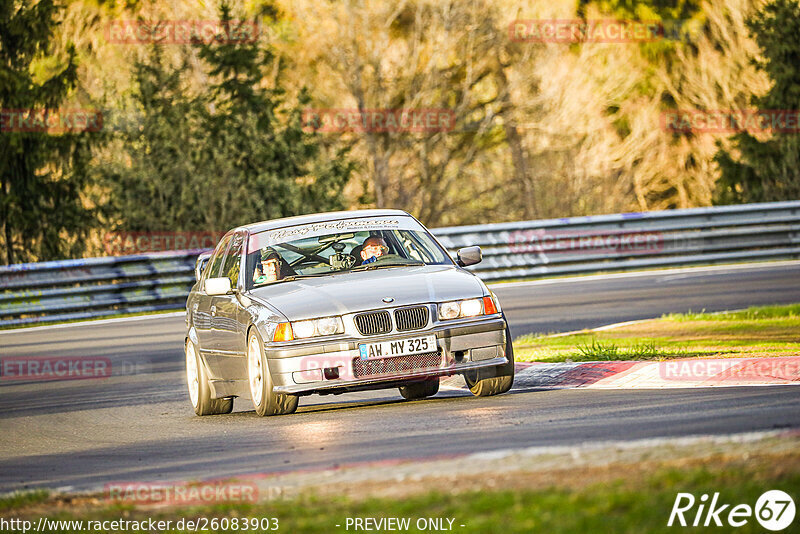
206,135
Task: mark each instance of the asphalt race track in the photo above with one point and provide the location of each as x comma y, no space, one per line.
138,424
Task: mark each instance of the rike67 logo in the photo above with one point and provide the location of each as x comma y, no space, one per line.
774,510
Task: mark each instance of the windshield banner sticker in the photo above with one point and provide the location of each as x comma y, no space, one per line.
282,235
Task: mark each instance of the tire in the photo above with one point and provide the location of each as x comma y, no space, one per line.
265,400
199,390
420,390
493,380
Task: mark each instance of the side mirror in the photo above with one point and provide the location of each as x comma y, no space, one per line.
218,286
469,256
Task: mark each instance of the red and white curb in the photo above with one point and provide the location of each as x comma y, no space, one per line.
678,373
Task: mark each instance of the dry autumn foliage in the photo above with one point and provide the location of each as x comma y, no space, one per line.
542,129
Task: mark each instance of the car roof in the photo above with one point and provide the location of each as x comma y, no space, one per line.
319,217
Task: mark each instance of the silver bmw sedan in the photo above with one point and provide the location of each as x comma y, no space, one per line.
339,302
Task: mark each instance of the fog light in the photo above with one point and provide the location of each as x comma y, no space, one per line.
331,373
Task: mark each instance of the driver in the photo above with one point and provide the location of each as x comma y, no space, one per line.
373,248
270,267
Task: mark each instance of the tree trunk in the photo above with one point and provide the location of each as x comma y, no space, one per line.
519,157
7,223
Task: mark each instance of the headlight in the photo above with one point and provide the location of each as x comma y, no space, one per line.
471,308
303,329
327,326
460,308
449,310
324,326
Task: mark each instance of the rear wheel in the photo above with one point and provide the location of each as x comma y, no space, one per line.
265,400
199,390
420,390
493,380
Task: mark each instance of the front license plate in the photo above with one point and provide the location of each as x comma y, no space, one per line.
400,347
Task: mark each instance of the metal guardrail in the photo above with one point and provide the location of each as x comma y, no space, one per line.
769,231
57,291
78,289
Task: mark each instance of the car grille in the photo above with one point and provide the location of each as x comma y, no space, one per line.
370,324
397,364
411,318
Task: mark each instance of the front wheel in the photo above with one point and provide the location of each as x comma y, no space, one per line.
265,400
199,390
493,380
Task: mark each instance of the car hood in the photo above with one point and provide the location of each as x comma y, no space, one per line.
339,294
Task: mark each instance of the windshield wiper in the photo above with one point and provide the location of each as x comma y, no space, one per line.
376,265
368,267
292,278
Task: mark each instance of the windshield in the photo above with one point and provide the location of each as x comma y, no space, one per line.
340,247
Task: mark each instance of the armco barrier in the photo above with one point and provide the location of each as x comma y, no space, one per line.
530,249
56,291
94,287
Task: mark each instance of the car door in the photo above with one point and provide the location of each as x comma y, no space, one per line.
202,314
228,337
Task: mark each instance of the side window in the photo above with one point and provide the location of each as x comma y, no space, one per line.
214,263
230,267
420,246
413,249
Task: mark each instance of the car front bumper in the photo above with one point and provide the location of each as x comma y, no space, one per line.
462,345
